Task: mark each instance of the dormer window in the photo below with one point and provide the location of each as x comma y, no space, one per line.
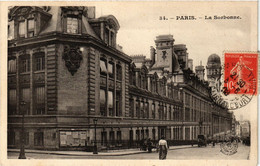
26,18
30,29
21,29
106,27
72,25
72,19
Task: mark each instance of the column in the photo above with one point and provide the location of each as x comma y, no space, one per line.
172,132
183,132
17,85
191,132
114,96
156,132
31,80
134,133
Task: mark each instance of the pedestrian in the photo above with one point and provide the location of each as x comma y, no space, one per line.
163,147
149,145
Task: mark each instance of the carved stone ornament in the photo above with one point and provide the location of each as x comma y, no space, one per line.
72,57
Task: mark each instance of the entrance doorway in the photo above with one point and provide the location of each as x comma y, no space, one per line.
161,131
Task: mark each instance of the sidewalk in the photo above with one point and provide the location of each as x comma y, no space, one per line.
107,153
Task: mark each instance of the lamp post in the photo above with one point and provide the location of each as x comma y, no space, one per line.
22,153
95,151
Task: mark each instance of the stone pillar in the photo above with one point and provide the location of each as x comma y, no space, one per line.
156,132
134,133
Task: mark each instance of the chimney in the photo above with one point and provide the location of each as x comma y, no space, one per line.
90,12
190,64
152,55
200,71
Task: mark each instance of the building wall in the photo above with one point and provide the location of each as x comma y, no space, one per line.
72,98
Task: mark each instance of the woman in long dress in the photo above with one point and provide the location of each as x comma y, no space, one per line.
163,148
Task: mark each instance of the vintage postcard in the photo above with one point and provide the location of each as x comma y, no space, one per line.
129,83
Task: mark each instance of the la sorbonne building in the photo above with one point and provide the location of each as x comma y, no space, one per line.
69,76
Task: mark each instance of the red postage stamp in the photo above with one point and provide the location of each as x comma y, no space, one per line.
240,73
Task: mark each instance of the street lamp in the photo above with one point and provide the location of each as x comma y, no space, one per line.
95,151
22,153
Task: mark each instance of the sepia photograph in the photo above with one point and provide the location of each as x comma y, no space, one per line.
130,82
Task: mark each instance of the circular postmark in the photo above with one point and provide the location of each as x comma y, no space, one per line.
236,85
229,148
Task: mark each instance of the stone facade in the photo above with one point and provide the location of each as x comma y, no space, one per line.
68,70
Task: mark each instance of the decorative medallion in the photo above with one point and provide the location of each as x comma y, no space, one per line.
72,57
164,55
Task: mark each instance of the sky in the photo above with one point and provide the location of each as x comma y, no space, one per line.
140,24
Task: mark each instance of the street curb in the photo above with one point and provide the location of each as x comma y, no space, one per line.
124,154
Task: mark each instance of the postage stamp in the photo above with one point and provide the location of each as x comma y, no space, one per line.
236,85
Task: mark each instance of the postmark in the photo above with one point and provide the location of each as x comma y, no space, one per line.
229,148
236,85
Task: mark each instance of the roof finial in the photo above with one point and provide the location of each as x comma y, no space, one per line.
200,63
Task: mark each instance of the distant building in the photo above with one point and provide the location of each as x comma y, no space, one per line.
245,128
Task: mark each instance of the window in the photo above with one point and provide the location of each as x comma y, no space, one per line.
144,82
153,131
106,36
72,25
134,78
102,102
12,101
131,109
25,96
113,42
118,136
139,80
11,138
160,111
165,112
40,100
38,139
142,109
151,84
118,72
25,65
137,108
110,103
112,137
137,132
142,134
21,29
111,70
40,63
118,104
12,66
146,110
30,27
26,138
147,133
153,111
103,138
103,67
